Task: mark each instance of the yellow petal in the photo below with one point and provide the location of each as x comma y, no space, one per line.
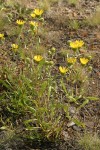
71,60
38,12
84,61
38,58
63,70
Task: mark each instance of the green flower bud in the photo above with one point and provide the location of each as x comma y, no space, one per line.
53,49
90,57
49,62
90,68
49,52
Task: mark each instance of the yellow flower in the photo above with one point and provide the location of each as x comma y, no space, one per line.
1,36
84,61
33,15
34,24
38,12
63,70
38,58
20,22
71,60
76,44
14,47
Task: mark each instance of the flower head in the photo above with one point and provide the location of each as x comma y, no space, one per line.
20,22
71,60
33,15
84,61
1,36
14,47
38,12
34,24
63,70
76,44
38,58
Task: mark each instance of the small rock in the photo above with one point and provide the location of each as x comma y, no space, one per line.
76,128
70,124
72,110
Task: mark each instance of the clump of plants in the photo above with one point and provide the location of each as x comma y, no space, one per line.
37,95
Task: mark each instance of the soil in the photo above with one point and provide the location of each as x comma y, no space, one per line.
58,32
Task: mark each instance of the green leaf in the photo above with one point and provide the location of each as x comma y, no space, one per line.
43,88
92,98
3,128
64,87
78,123
83,104
31,109
6,84
32,128
26,122
66,110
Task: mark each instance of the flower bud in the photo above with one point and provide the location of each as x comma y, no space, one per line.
53,49
90,68
49,62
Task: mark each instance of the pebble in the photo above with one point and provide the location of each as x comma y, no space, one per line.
72,110
70,124
76,128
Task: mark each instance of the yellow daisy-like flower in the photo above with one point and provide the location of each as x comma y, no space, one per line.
71,60
33,15
20,22
38,12
76,44
63,70
84,61
34,24
38,58
14,47
1,36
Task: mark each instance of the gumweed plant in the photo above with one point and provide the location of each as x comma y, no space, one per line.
2,38
38,92
34,26
84,61
76,45
63,70
38,58
20,25
14,46
71,60
33,15
38,12
20,22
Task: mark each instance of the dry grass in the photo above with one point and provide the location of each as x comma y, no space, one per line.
90,142
73,2
95,18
